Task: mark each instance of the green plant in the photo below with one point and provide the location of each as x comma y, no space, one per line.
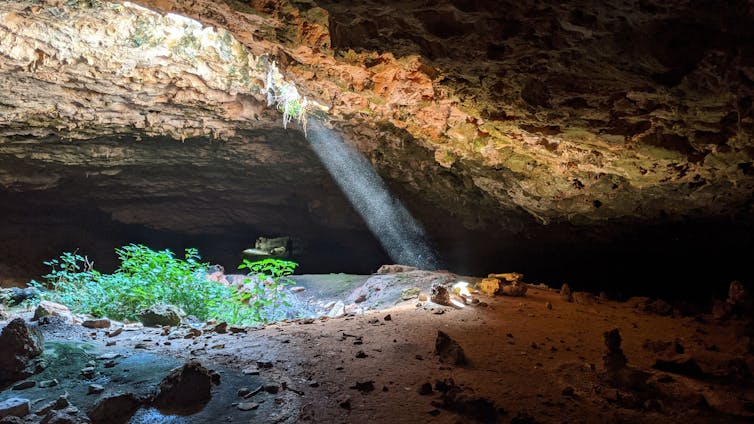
266,293
145,278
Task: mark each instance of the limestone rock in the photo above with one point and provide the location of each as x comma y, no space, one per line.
565,293
52,309
584,298
338,310
160,315
449,351
488,286
20,343
439,294
96,323
410,293
510,277
395,269
14,407
115,408
515,290
185,390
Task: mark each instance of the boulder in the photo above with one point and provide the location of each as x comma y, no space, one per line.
566,293
52,309
160,316
115,408
15,295
721,310
395,269
439,294
20,343
14,407
488,286
185,390
515,290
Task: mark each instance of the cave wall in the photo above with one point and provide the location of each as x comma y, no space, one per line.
525,135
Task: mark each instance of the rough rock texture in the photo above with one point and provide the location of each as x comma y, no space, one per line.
569,113
185,390
114,409
20,343
160,315
504,115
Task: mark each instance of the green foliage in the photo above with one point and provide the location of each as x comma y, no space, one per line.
267,293
147,277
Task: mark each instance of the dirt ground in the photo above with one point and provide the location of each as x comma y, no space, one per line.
537,358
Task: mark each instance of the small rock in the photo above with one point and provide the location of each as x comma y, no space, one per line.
566,293
603,297
425,389
614,359
738,295
109,364
185,390
45,384
363,387
439,294
683,366
52,309
271,388
584,298
115,332
361,354
548,305
361,298
514,290
395,269
410,293
221,328
449,350
264,364
297,289
28,384
96,323
193,332
243,391
247,406
388,318
160,315
489,286
568,391
95,389
87,372
338,310
423,298
250,371
313,383
15,407
511,277
109,356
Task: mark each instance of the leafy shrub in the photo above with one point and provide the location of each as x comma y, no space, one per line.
146,278
267,294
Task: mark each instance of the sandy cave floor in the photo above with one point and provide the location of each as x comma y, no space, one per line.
534,363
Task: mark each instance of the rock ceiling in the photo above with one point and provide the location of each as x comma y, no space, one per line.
544,111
